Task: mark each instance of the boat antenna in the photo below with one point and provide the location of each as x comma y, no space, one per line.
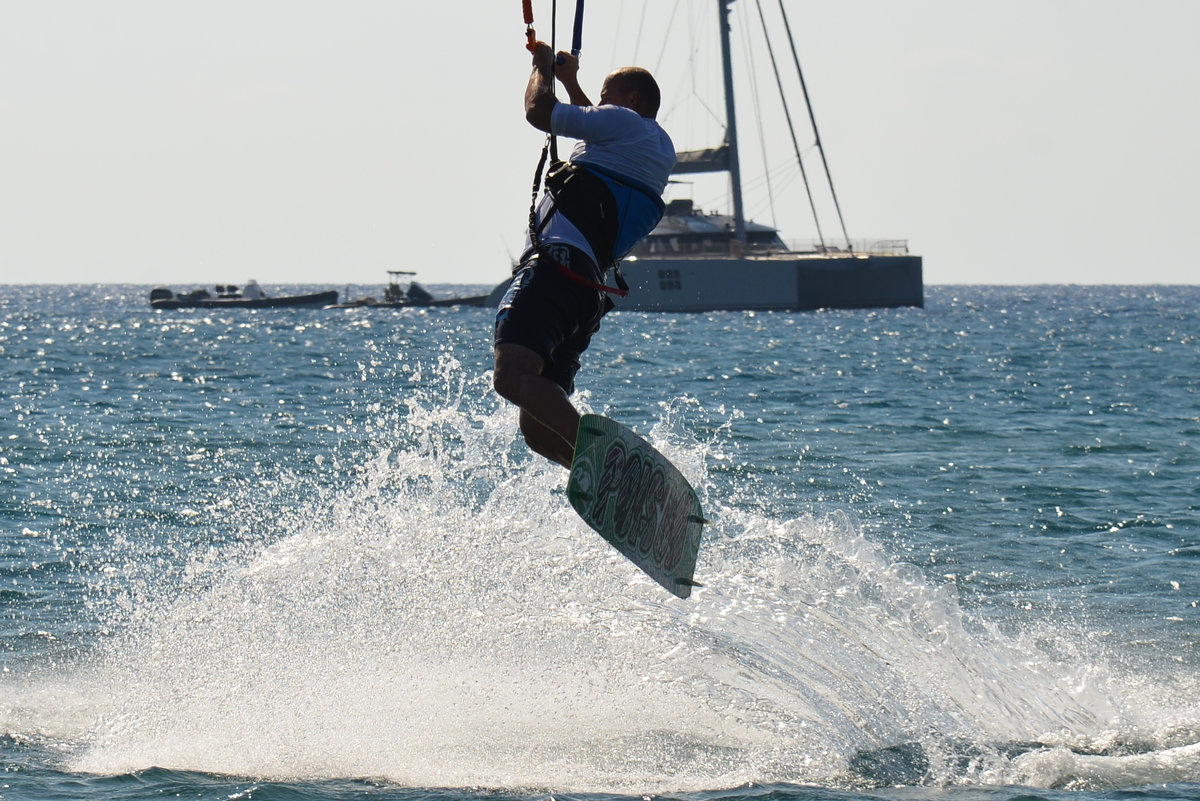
813,119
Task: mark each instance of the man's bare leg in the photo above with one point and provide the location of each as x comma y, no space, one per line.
548,420
545,441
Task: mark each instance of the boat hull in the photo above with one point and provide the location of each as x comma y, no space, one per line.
785,283
794,282
314,300
368,303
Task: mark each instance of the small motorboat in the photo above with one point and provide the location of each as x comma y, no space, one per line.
395,296
251,296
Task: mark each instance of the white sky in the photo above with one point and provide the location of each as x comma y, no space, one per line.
164,142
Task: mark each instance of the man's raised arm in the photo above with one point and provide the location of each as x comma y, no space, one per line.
539,93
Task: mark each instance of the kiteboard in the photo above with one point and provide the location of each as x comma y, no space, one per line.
637,500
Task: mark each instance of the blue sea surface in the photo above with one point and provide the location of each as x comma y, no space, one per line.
304,554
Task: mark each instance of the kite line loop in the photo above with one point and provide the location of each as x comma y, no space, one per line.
550,149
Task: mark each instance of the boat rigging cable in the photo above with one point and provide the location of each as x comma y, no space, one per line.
787,113
812,118
813,122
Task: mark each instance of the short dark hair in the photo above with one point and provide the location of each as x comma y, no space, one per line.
636,79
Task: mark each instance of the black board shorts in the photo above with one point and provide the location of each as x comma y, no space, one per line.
551,314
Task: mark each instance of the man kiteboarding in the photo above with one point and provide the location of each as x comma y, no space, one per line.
596,207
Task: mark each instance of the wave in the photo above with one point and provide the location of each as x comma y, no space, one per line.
447,621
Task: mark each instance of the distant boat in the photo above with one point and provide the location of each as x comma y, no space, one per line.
230,296
697,261
693,261
395,296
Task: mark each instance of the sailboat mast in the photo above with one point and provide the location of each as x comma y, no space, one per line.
735,173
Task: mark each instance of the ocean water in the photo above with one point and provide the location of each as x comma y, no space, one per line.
303,554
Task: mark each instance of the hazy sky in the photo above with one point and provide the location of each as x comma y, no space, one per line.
164,142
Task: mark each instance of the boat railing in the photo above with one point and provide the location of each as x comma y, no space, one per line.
863,247
667,248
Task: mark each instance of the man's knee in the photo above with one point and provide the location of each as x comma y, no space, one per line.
507,382
514,367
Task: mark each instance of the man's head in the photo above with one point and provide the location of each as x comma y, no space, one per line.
633,88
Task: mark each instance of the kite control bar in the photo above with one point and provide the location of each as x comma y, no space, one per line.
531,35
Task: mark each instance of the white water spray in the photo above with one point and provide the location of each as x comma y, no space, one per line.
448,621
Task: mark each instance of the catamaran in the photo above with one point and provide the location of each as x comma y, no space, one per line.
697,261
705,261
